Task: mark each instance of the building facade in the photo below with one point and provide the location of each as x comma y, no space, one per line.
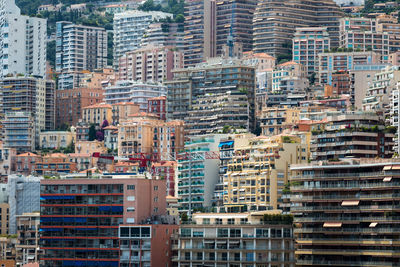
347,208
27,246
80,47
109,204
289,15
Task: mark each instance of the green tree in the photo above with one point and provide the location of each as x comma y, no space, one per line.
51,53
92,132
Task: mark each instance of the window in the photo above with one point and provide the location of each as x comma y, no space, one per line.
206,221
155,187
131,198
130,209
131,187
222,232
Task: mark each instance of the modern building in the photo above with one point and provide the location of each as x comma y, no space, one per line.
109,203
209,25
23,43
27,247
259,170
289,15
379,92
352,134
394,117
24,197
329,63
35,96
135,92
198,172
346,208
146,245
289,77
234,239
219,113
80,47
308,43
149,64
167,171
218,76
129,28
19,131
166,34
361,78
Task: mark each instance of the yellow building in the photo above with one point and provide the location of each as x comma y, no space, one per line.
121,111
4,213
56,139
275,120
97,113
260,168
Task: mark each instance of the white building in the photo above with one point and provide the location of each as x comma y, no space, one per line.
198,172
129,28
135,92
24,43
308,43
394,116
80,47
24,196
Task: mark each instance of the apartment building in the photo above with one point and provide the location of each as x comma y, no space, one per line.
352,134
234,239
289,15
308,43
347,208
56,139
378,93
96,79
24,163
80,47
259,169
166,35
274,120
34,96
158,106
329,63
394,116
4,213
146,245
19,131
24,197
146,133
6,155
23,43
97,114
149,64
198,172
55,163
70,102
27,247
217,113
123,110
108,203
210,25
217,76
361,78
261,61
289,77
135,92
129,28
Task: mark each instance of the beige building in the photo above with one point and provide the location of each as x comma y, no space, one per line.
275,120
28,238
56,139
4,213
121,111
235,239
145,133
90,147
96,114
150,63
262,61
259,170
6,154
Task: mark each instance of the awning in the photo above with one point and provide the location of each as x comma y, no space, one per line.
397,167
229,143
350,202
373,224
386,168
387,179
332,224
